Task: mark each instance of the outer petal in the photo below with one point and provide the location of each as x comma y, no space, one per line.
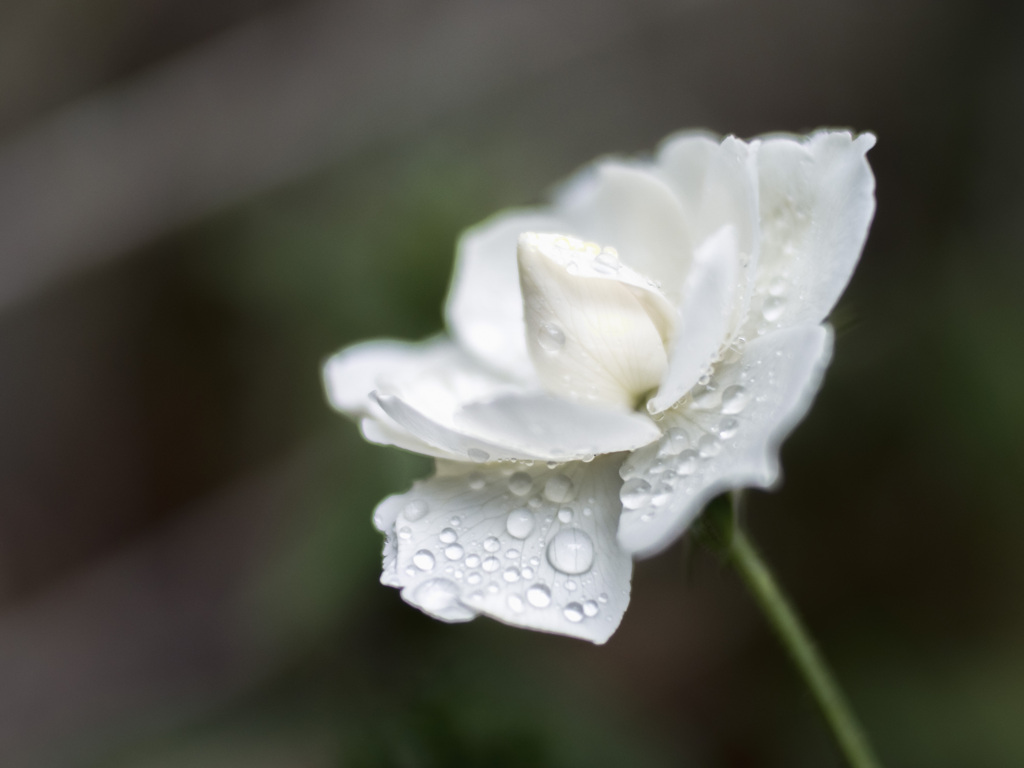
722,436
529,546
629,207
484,310
817,201
703,318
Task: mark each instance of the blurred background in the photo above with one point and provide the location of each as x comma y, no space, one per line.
201,199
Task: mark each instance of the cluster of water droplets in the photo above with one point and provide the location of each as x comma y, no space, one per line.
538,554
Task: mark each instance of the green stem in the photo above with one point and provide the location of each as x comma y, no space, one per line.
794,636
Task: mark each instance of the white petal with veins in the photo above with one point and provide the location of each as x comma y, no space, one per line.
533,547
723,436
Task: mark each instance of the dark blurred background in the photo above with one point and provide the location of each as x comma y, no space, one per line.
201,199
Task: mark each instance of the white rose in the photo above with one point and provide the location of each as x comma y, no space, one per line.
616,359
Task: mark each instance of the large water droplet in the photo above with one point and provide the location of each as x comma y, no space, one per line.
727,428
441,598
515,602
477,455
565,515
708,446
477,480
520,523
559,489
635,493
492,544
550,337
520,483
734,399
453,552
571,551
539,596
686,464
511,575
423,560
590,609
491,564
573,612
473,561
673,443
414,510
773,308
447,536
405,533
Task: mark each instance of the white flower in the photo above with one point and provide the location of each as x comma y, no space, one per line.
616,359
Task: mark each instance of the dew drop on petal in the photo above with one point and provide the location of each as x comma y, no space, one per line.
708,446
423,560
520,483
635,493
447,536
539,596
476,481
441,597
590,609
520,523
472,561
491,564
492,544
453,552
571,551
570,585
734,399
773,308
415,510
673,443
573,612
515,602
479,456
565,515
686,464
550,337
405,533
559,489
511,575
473,578
727,428
777,287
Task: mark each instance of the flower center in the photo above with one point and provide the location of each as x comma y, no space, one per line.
596,330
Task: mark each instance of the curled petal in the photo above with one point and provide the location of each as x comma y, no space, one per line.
703,317
722,436
817,200
532,547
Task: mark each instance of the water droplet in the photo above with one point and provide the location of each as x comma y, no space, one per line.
602,598
491,564
573,612
734,399
405,533
773,308
673,443
686,464
565,515
708,446
527,572
447,536
559,489
477,455
414,510
520,523
511,575
777,286
539,596
473,578
476,480
453,552
491,544
635,493
512,554
571,551
727,428
550,337
520,483
704,397
423,560
570,585
590,609
515,602
473,561
441,597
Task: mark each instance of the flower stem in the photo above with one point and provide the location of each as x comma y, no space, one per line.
801,647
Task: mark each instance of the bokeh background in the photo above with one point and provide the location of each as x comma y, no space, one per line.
201,199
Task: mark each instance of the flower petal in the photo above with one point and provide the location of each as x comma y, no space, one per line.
529,546
817,201
629,207
596,336
722,436
484,310
546,427
704,315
